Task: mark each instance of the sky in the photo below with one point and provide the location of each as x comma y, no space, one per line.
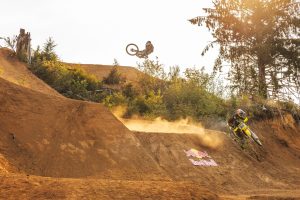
97,31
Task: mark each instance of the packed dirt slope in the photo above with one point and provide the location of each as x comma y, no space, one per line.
53,136
17,72
101,71
275,167
33,187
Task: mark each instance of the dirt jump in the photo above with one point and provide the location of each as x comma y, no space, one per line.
52,147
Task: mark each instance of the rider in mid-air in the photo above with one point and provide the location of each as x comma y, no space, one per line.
234,121
148,49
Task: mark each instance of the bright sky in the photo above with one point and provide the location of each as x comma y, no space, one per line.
97,31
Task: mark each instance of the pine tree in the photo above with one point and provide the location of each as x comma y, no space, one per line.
260,40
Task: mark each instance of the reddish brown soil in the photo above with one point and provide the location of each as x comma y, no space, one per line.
52,147
100,71
275,167
53,136
32,187
15,71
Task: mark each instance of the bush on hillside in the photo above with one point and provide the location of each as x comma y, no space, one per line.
153,77
183,99
114,77
155,93
70,82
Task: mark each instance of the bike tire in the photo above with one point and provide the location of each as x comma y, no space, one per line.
255,138
132,49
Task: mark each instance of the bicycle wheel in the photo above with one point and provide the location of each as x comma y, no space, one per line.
132,49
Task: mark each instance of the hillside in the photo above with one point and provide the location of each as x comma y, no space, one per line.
52,147
100,71
15,71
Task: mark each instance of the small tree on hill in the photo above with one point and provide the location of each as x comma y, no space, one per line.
10,42
114,77
48,52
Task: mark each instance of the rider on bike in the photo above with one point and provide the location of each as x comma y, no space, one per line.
148,49
235,120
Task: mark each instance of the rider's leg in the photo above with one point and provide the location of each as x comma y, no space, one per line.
243,140
142,54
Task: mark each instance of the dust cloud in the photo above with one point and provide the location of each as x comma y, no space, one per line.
182,126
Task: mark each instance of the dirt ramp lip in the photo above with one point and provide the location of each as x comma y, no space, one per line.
59,137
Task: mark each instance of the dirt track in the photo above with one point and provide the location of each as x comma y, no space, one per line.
56,148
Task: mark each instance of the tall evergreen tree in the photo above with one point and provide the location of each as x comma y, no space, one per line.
260,40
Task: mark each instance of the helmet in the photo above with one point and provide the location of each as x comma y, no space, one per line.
240,113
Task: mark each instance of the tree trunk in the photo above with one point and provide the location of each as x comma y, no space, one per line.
262,85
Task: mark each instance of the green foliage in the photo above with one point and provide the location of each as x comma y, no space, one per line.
197,77
171,96
71,82
167,95
260,39
152,78
155,94
187,98
114,99
10,42
129,91
149,106
48,52
258,108
114,77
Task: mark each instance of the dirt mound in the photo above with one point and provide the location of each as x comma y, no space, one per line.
100,71
275,166
17,72
53,136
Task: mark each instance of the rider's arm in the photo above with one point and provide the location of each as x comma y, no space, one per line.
246,119
236,129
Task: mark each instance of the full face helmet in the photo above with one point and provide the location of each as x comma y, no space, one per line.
240,113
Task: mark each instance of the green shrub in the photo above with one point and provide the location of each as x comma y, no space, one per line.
183,99
70,82
114,99
114,77
155,94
